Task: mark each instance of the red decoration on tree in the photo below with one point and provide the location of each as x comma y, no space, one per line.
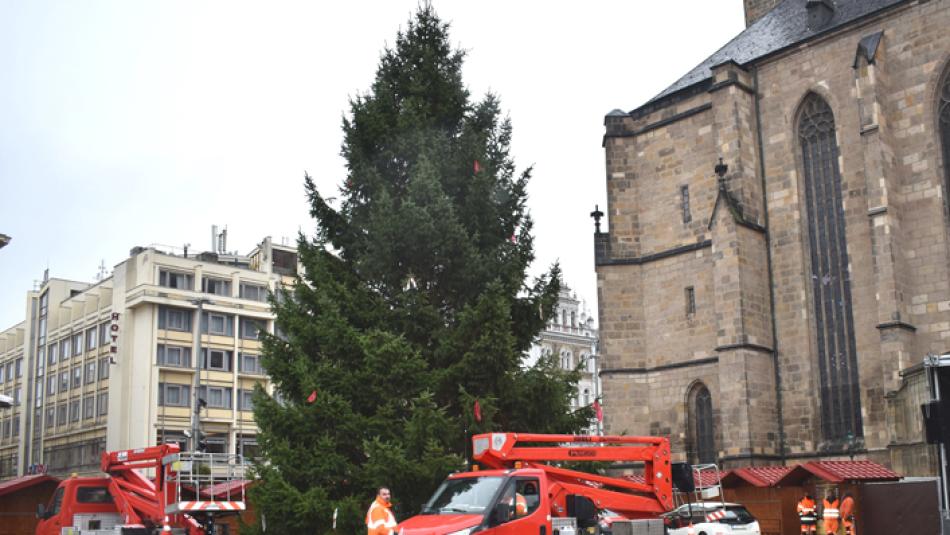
312,397
477,166
599,411
478,411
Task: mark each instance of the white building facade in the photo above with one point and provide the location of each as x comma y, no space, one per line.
571,336
111,365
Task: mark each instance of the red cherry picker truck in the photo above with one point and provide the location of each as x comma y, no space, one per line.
517,490
147,491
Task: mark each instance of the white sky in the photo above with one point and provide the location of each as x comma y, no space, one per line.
127,123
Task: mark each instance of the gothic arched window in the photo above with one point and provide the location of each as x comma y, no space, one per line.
943,115
701,430
831,284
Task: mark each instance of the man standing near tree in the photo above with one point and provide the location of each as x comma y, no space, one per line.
379,518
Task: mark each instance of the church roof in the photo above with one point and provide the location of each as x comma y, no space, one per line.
784,26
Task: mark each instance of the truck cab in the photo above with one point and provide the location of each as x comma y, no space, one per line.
493,502
82,503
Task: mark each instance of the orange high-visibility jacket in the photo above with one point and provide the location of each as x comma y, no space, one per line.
380,519
847,509
829,510
806,511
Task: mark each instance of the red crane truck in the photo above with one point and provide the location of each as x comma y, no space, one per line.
516,491
130,502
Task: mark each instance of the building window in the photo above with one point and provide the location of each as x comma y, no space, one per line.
176,279
701,429
50,417
17,397
174,395
2,375
64,349
831,285
91,372
690,301
64,381
248,446
216,359
179,357
217,397
40,360
684,204
214,286
254,292
250,329
52,353
9,373
77,377
220,324
246,400
92,339
251,364
217,444
102,402
19,368
74,411
104,333
103,368
77,344
38,393
16,426
61,415
88,408
51,385
174,319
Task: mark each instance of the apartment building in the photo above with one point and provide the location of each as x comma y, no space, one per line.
112,364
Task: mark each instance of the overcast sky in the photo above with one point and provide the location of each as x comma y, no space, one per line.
127,123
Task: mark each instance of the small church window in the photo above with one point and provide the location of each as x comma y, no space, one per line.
684,202
701,426
690,301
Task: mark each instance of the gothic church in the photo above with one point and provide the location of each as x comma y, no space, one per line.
777,262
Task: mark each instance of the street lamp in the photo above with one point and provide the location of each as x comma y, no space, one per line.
196,404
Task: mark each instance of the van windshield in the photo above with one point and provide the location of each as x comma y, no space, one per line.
470,495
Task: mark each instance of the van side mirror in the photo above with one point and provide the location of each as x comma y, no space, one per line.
500,514
41,511
683,477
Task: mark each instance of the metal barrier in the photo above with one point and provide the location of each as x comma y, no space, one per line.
212,481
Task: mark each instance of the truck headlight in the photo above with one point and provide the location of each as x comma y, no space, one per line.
466,531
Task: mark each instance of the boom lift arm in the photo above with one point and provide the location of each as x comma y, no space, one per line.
138,498
629,498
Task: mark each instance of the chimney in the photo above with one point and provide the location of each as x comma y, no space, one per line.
820,13
756,9
214,238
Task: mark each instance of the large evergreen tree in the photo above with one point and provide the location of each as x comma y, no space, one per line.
412,304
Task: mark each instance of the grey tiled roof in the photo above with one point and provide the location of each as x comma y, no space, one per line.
784,26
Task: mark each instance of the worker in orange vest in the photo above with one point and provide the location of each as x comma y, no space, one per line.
807,515
379,517
830,513
847,513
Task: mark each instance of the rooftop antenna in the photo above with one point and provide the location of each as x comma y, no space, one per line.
102,270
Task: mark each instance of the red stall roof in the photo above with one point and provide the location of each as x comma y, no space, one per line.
839,472
757,476
14,485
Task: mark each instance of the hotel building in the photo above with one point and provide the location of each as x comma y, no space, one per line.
111,365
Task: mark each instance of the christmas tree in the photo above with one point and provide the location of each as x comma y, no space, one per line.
413,308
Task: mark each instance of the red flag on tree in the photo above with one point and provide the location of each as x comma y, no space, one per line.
312,397
477,166
598,410
478,411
